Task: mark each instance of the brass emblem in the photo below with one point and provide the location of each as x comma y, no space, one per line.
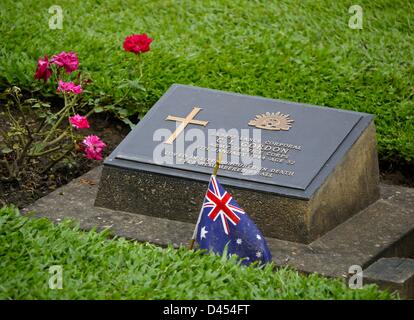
184,122
272,121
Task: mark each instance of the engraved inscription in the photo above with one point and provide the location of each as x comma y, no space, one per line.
273,151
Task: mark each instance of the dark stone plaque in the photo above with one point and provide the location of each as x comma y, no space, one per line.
316,135
314,166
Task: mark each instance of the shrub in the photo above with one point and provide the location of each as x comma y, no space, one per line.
36,136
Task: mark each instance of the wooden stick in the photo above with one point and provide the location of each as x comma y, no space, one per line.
218,162
191,245
193,239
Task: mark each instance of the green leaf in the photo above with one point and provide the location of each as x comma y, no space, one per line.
98,109
38,147
6,150
122,113
133,84
110,107
30,101
128,122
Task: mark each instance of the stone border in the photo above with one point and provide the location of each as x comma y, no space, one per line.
384,229
394,274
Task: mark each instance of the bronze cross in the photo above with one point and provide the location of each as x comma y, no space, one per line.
184,122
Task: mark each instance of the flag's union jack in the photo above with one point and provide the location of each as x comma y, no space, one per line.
222,223
220,204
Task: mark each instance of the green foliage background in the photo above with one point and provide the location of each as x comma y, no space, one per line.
97,268
295,50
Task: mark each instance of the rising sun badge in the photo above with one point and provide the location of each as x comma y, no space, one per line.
272,121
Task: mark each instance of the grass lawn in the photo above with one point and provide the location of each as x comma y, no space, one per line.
95,267
298,50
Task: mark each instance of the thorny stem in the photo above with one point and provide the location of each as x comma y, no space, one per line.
6,164
12,118
60,111
74,112
63,116
140,65
25,123
52,163
123,97
4,134
29,141
140,62
42,124
22,155
58,139
39,154
90,112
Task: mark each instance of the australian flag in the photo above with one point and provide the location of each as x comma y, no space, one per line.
222,222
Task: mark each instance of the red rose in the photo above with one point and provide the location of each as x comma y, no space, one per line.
43,69
137,43
79,122
67,60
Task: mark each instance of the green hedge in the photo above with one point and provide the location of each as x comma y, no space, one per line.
94,267
302,51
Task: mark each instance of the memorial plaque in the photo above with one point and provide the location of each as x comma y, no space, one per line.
310,167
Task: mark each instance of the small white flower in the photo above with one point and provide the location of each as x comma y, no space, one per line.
258,254
259,237
239,241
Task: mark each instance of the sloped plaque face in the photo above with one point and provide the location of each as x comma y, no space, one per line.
298,145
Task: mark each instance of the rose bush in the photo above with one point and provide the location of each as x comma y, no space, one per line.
38,135
126,97
42,136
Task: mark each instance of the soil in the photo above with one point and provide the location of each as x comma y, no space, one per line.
113,131
401,173
33,187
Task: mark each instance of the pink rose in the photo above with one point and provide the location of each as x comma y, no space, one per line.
79,122
69,87
43,69
93,147
67,60
137,43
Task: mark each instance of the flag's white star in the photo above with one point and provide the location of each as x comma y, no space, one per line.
259,237
239,241
258,254
203,233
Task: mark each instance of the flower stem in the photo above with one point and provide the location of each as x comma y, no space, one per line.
52,163
140,65
39,154
57,139
66,108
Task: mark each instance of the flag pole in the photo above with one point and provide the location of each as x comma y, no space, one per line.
193,239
